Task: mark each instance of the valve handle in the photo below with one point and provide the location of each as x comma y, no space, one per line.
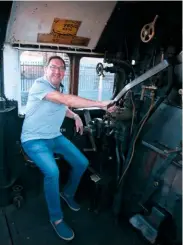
148,31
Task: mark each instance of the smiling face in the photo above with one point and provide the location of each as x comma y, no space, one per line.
55,71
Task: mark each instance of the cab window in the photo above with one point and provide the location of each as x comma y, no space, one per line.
92,86
32,67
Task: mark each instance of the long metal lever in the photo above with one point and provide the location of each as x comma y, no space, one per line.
161,66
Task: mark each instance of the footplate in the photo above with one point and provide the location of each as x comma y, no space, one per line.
148,225
95,178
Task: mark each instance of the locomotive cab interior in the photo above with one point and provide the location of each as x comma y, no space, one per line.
129,52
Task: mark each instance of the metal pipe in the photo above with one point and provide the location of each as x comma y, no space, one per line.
1,75
100,88
118,161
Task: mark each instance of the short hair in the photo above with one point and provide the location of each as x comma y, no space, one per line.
56,57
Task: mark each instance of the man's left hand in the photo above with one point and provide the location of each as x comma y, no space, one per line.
78,124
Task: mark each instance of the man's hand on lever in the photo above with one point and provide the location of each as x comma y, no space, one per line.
112,109
110,106
105,105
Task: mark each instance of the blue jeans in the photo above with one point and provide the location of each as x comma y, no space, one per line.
41,153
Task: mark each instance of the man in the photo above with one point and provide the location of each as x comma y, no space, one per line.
46,109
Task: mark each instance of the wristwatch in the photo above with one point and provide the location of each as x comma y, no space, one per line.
75,116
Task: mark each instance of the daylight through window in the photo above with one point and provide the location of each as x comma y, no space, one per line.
91,86
32,67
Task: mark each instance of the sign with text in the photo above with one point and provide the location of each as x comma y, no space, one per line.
63,32
54,38
65,27
62,39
